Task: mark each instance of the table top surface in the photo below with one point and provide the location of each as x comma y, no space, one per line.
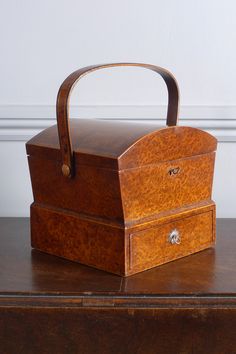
27,272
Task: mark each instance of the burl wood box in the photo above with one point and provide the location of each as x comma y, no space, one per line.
119,196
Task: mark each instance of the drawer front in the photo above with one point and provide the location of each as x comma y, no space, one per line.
167,242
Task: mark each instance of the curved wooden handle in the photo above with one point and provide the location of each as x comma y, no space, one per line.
63,105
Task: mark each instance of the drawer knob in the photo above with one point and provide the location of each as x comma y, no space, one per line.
174,237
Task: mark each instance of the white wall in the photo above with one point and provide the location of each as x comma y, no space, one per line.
43,41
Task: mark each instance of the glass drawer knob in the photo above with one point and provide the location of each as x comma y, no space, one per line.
174,237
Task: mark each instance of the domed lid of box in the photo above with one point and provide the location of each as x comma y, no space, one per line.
117,145
121,145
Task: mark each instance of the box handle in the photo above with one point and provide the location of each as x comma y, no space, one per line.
63,105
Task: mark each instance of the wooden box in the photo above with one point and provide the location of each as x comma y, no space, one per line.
120,196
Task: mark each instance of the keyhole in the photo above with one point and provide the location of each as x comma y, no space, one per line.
174,171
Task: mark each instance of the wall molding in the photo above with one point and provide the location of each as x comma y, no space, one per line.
21,122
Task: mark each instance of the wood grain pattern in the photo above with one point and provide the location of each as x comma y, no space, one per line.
151,189
122,145
94,191
152,247
167,144
29,275
79,239
96,184
49,305
120,330
118,249
63,104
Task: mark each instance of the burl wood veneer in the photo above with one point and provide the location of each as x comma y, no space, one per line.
50,305
120,196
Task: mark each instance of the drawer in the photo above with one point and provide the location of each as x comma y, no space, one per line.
169,241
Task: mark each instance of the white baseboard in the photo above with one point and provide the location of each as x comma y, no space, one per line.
21,122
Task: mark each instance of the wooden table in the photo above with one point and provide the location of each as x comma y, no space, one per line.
49,305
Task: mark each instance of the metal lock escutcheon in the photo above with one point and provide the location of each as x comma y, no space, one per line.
174,171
